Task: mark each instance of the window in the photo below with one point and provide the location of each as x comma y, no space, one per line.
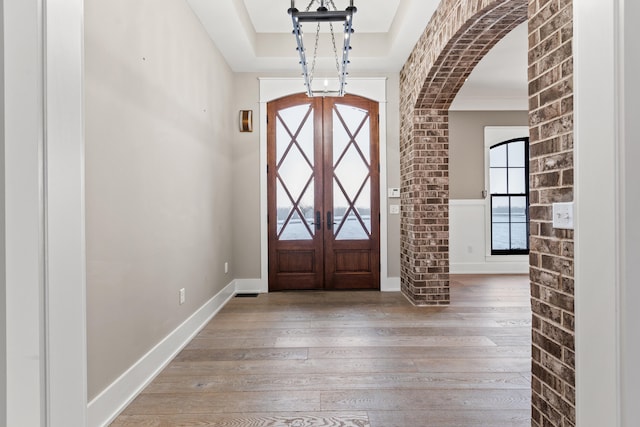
509,190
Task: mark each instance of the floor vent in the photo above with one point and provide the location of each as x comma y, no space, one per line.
247,295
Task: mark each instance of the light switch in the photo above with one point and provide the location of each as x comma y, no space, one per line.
393,192
563,215
394,209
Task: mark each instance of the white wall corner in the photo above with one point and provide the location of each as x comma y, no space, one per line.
104,408
390,284
597,90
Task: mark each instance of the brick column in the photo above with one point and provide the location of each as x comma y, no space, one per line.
424,228
551,180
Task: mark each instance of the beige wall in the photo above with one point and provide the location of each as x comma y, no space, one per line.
246,182
3,284
246,176
159,136
393,171
466,148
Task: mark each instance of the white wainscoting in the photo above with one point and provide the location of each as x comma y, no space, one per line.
468,242
103,409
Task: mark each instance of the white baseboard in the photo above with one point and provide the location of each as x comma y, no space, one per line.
248,286
489,268
107,405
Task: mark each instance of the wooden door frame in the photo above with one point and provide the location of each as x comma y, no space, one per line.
312,262
272,88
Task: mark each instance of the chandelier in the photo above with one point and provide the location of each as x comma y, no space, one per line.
323,14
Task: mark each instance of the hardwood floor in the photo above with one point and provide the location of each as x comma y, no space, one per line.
353,359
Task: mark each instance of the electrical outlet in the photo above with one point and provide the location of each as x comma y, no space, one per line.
226,267
183,296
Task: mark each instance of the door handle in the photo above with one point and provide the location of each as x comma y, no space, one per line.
318,221
329,221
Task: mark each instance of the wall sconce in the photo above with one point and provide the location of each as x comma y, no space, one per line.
246,120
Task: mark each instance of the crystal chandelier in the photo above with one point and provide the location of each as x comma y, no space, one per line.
323,14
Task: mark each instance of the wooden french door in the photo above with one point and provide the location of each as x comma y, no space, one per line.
323,193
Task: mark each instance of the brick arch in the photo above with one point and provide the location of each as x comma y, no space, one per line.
429,81
465,49
458,36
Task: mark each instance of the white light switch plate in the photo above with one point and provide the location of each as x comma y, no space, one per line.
393,192
394,209
563,215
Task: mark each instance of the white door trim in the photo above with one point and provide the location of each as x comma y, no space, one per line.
628,159
597,201
65,272
45,286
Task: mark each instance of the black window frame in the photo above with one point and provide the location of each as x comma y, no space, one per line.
518,251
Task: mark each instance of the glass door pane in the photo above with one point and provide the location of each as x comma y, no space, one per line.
351,173
295,191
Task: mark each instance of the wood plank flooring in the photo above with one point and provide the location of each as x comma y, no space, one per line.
353,359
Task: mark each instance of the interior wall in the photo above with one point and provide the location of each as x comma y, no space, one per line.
246,181
3,281
246,176
466,148
159,134
630,371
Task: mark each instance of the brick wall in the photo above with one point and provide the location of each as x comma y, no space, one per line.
551,180
458,36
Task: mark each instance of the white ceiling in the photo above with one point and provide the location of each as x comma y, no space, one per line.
255,36
376,17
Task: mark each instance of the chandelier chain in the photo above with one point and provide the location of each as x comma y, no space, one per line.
335,49
315,54
333,42
309,6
